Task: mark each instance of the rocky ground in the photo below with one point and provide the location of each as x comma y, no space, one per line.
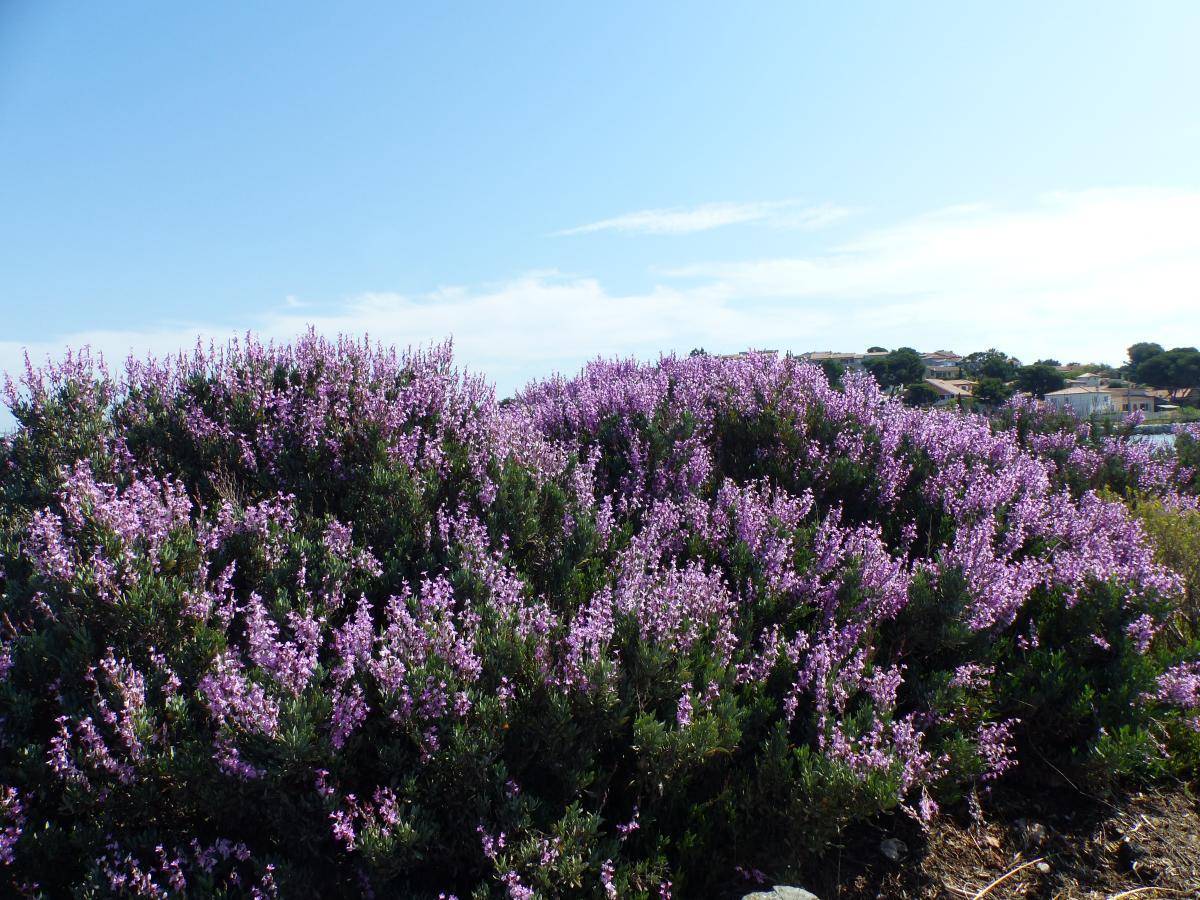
1056,843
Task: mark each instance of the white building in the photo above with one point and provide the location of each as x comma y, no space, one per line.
1083,400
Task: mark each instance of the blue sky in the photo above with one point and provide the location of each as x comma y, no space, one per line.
548,182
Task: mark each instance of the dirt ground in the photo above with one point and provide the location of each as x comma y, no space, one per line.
1054,843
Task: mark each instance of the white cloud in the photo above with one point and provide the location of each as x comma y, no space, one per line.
1079,274
1075,276
687,220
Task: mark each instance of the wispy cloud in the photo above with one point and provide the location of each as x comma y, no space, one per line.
1081,274
1074,275
691,219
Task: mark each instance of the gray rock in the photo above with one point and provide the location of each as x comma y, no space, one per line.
782,892
893,848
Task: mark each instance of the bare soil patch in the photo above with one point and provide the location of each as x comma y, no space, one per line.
1053,843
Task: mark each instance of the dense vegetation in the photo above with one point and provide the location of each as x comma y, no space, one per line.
326,619
1173,370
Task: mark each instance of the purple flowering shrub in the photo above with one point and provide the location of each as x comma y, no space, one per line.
328,619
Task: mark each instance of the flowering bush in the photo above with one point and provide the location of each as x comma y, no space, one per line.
328,619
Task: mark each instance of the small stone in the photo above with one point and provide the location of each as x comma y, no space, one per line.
893,848
1032,834
782,892
1044,868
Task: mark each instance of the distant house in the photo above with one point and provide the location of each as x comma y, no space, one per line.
1081,399
847,360
940,363
744,354
1086,379
1132,399
943,364
952,391
941,359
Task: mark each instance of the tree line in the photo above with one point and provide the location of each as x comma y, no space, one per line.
999,375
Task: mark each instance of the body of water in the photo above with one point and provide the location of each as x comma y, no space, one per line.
1157,440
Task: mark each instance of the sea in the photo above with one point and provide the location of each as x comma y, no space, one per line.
1166,441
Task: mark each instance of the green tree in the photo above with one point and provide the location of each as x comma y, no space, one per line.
1157,371
1039,379
833,370
900,367
990,363
1141,352
877,349
920,394
992,391
1172,370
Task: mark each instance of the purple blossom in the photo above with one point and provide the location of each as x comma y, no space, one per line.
349,712
1141,631
290,663
1179,686
777,587
627,828
971,675
683,711
12,823
607,872
236,702
994,743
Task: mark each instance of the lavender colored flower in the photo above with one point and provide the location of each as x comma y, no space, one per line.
12,823
235,701
691,538
995,748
